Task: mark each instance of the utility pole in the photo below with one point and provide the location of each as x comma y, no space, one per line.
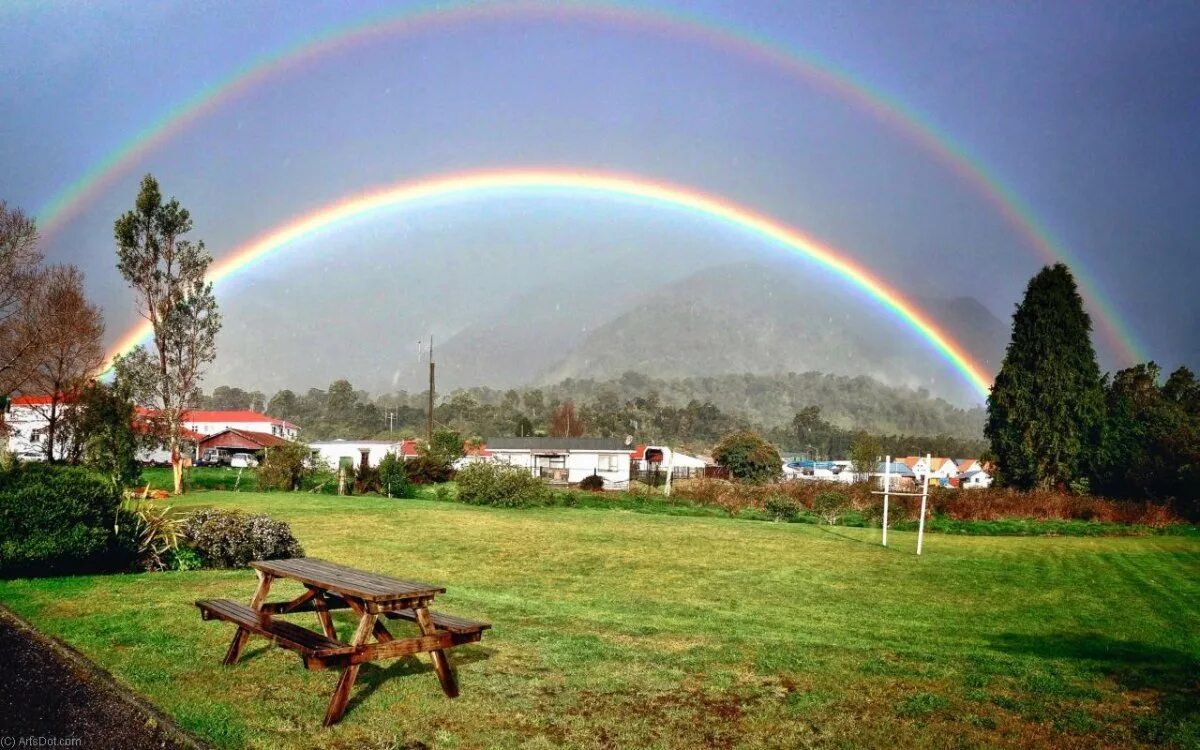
429,416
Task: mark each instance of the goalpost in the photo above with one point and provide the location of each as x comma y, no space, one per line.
887,495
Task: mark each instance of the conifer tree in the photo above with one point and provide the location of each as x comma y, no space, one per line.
1046,409
167,274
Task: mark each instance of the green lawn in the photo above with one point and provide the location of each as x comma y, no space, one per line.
619,629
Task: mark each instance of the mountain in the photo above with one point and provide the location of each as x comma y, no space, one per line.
767,319
511,344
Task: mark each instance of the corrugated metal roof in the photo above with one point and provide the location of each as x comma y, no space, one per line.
556,444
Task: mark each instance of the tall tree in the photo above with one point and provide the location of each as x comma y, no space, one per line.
70,351
1152,437
20,300
1046,410
167,274
225,397
109,432
564,422
865,453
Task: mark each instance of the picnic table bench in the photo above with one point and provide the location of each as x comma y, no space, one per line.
329,586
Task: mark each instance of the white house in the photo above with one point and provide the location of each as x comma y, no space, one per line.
977,479
27,422
940,469
331,452
656,458
212,422
565,460
968,464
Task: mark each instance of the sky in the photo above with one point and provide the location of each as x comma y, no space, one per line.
1086,111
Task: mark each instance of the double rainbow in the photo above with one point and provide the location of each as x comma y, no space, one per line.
559,182
717,33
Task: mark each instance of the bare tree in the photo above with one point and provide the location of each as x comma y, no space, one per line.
20,273
70,353
167,275
564,422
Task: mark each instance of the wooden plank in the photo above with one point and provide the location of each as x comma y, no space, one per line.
393,649
345,580
280,632
443,621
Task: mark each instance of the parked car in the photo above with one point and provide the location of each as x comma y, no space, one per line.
243,461
210,457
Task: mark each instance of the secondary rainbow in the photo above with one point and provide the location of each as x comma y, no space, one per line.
718,33
476,184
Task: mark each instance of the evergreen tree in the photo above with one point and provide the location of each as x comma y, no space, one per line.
167,274
1046,410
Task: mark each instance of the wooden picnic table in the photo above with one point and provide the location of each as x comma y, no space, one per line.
329,586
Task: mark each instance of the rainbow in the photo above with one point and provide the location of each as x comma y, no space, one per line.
641,190
720,34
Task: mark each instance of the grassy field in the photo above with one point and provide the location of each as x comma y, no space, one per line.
618,629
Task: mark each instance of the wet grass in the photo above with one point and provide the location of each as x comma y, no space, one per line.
634,629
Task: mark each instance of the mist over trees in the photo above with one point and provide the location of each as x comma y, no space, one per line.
632,405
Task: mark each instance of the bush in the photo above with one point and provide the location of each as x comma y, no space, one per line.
284,467
155,533
830,506
59,519
428,469
782,508
393,477
231,539
592,483
748,457
501,486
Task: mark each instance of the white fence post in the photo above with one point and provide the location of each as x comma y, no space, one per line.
924,497
887,487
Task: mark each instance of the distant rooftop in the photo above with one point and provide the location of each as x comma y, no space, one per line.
557,444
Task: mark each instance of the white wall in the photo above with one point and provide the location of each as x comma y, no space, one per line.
27,434
277,428
331,452
579,464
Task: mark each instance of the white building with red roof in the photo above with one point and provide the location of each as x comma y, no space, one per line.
213,422
26,421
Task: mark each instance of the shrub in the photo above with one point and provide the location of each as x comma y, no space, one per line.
501,486
186,558
426,469
782,508
231,539
154,531
830,506
58,519
748,457
366,479
393,477
592,483
284,467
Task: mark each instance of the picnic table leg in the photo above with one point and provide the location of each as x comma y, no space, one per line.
321,607
242,635
441,664
341,693
382,634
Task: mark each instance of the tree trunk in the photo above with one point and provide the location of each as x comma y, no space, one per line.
176,464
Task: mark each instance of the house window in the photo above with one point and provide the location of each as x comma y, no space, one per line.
606,463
